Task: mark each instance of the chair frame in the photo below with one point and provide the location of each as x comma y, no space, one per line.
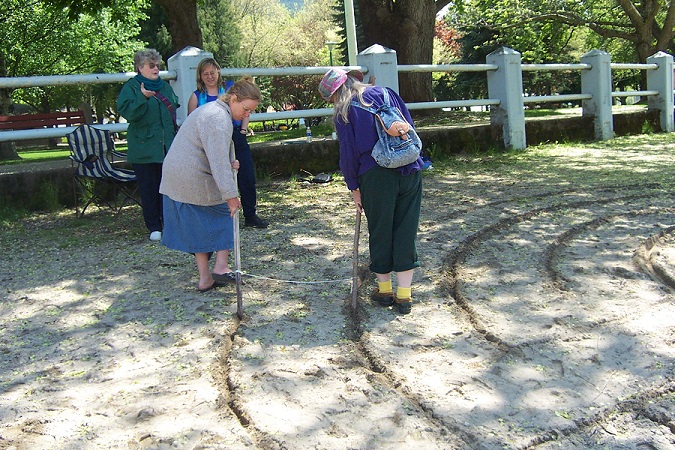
92,154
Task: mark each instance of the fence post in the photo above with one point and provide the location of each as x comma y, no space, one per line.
506,85
382,64
661,80
184,63
597,81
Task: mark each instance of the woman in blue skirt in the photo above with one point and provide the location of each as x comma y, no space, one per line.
199,185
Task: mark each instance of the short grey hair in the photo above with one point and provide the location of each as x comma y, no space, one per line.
149,55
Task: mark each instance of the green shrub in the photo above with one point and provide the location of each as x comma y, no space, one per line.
647,127
46,197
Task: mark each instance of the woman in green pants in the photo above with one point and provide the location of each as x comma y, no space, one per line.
390,198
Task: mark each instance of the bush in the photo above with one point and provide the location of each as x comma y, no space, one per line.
46,198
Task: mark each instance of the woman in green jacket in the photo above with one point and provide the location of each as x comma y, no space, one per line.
149,106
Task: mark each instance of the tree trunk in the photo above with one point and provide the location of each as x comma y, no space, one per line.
7,149
183,25
406,26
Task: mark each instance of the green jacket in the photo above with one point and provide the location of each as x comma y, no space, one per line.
151,128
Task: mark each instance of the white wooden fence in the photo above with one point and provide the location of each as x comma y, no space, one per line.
504,75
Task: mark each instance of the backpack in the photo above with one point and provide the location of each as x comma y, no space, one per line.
398,143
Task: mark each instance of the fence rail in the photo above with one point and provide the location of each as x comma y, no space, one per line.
503,68
556,98
66,80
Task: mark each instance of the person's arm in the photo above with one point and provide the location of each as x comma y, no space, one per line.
349,160
132,103
244,127
192,103
215,133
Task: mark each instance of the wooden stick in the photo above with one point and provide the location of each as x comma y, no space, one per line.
237,266
237,258
355,272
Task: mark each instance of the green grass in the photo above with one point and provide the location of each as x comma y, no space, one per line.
41,155
325,129
32,155
11,215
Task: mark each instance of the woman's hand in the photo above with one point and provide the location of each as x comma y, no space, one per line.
234,204
235,164
146,92
356,195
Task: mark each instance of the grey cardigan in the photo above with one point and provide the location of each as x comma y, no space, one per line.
198,166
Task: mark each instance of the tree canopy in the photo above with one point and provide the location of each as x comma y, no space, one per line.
407,26
39,38
645,25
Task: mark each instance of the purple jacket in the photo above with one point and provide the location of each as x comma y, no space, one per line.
358,137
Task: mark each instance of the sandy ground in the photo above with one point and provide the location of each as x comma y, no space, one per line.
543,319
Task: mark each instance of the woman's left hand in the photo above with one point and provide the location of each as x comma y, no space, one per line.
234,204
356,196
235,164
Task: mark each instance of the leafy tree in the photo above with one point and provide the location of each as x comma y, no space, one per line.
448,43
88,45
154,31
262,22
40,39
408,27
181,15
219,22
538,42
276,37
447,50
647,26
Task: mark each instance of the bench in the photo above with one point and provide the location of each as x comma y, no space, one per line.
44,120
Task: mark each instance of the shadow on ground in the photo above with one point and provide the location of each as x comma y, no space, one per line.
542,319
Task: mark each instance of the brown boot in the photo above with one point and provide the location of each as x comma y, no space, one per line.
404,304
383,299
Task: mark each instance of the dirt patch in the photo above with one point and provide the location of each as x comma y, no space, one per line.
534,325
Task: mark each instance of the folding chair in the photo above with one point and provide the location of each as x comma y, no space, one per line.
95,178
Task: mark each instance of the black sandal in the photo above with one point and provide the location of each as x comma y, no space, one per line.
227,277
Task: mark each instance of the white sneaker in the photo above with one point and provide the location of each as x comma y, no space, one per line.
156,236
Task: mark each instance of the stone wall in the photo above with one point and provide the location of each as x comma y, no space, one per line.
21,186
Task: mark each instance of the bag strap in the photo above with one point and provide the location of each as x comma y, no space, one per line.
400,130
166,102
386,96
370,108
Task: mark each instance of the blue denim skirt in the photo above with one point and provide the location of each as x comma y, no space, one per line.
197,229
